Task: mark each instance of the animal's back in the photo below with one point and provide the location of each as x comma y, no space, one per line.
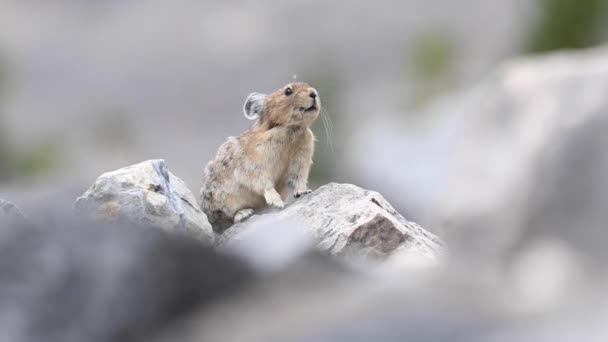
216,183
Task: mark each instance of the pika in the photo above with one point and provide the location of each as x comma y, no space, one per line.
266,164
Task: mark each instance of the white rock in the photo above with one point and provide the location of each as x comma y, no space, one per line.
146,193
346,220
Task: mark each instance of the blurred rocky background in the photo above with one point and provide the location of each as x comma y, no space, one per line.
482,120
89,86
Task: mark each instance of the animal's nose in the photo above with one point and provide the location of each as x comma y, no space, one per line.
313,94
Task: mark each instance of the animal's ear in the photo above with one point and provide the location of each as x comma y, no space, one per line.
254,105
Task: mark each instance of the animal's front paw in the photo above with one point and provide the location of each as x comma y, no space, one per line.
302,193
273,199
242,215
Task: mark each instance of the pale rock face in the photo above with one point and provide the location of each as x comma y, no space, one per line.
521,154
534,140
345,220
146,193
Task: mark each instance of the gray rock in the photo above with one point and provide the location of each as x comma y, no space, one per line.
9,211
521,155
146,193
534,162
348,221
74,281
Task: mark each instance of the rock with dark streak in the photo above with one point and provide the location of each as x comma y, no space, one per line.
146,193
351,222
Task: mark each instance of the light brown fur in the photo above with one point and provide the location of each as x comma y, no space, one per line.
266,164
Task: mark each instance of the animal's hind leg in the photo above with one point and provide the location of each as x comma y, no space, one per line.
242,215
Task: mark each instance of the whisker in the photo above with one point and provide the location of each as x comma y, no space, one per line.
331,124
328,126
328,119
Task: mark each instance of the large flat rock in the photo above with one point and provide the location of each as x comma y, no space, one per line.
349,221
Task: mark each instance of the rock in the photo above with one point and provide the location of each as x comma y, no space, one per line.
148,194
521,155
534,163
75,281
348,221
9,211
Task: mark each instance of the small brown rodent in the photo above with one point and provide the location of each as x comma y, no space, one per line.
267,163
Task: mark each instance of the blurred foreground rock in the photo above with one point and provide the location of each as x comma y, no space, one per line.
347,221
146,193
80,281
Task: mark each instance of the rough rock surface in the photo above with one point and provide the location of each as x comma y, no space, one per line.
346,220
146,193
9,211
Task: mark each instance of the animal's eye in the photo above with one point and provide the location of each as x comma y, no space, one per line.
288,91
